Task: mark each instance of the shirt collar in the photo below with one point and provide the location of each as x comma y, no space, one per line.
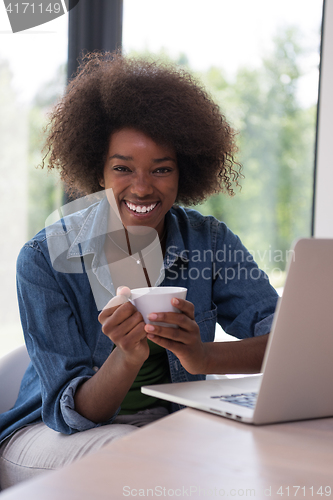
90,238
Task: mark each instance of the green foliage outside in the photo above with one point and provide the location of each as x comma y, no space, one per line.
45,190
276,138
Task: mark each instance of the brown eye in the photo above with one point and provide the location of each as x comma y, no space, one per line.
120,168
163,170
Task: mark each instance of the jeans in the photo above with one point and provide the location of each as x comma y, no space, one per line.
36,449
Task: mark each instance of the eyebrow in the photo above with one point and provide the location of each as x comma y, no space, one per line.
130,158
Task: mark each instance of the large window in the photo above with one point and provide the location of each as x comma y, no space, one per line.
260,61
32,76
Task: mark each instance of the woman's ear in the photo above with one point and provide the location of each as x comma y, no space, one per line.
101,183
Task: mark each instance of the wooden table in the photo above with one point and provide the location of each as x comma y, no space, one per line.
193,454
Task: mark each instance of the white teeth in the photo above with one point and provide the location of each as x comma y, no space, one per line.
141,209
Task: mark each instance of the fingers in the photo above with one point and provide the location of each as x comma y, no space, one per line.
183,320
174,334
123,294
117,315
110,308
174,339
184,306
129,341
169,344
128,327
186,331
124,325
181,335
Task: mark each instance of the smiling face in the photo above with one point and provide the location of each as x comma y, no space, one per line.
143,176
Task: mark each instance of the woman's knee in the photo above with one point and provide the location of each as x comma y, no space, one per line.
36,449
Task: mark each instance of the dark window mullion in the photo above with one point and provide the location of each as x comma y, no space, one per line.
93,25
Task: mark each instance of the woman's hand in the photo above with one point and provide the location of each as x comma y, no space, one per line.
124,325
184,341
99,397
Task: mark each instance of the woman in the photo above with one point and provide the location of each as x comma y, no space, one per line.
147,136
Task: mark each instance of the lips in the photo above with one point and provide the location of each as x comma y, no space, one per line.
140,208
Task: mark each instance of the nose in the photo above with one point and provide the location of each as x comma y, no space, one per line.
141,185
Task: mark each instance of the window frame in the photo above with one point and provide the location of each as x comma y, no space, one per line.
322,220
93,26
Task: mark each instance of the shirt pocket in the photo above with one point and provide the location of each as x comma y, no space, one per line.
206,321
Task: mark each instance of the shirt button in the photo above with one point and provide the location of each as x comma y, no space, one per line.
95,368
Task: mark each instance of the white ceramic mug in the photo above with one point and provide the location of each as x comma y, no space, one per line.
156,299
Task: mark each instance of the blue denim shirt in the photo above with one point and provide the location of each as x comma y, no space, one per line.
59,310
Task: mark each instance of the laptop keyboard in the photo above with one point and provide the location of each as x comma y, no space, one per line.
247,399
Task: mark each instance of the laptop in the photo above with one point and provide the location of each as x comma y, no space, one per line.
297,377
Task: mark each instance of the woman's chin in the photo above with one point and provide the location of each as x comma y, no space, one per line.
140,230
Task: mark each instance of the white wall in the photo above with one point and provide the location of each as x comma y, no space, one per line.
323,219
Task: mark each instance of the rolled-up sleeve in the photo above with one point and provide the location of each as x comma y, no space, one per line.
264,326
72,418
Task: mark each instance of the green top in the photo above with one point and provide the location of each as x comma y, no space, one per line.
155,370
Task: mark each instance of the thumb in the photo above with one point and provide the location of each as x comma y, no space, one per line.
123,294
124,290
116,301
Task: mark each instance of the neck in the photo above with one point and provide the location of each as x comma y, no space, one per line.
131,243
